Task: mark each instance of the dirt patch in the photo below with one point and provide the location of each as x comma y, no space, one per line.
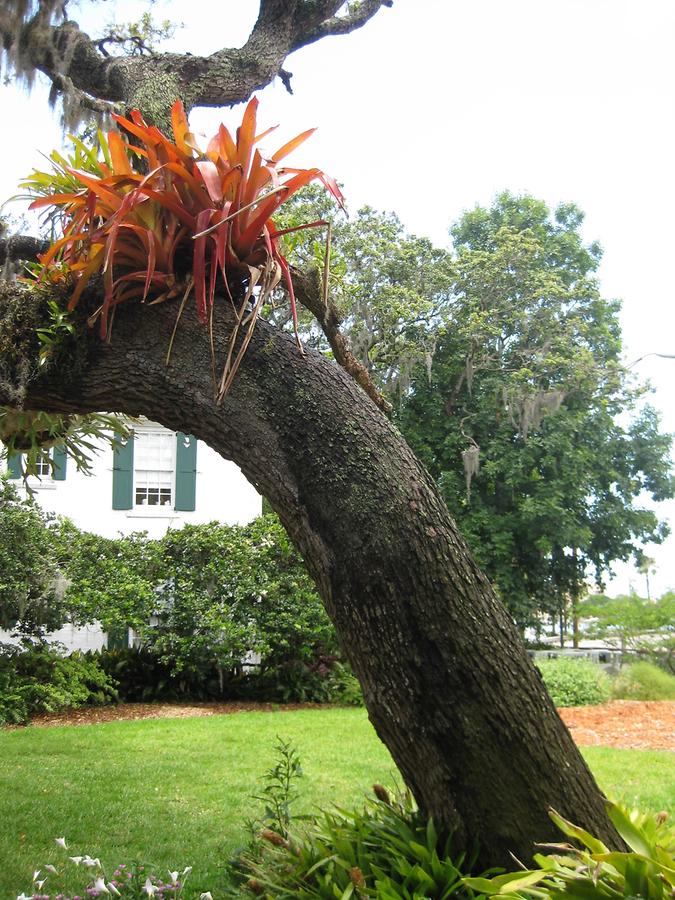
631,724
94,715
623,723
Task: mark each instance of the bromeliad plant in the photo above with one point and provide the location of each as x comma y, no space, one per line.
187,224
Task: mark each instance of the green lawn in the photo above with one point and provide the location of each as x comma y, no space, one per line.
176,792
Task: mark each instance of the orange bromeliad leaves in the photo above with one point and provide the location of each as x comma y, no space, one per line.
190,220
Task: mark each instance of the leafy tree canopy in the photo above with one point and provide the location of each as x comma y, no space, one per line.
540,441
630,622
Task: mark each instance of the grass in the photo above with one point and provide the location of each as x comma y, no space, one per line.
176,792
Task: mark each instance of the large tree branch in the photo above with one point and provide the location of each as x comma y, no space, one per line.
334,25
308,290
77,68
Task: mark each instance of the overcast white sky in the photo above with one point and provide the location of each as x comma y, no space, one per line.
436,105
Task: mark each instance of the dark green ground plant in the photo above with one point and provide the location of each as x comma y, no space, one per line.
39,679
386,849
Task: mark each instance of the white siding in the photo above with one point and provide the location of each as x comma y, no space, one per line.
223,495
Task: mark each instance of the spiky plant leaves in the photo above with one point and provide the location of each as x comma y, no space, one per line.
191,221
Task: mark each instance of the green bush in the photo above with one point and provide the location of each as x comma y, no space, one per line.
142,677
13,705
643,681
387,849
40,679
344,687
574,682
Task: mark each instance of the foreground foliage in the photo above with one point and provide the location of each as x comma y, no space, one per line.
132,882
593,871
384,849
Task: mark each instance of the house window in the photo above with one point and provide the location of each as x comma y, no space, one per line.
44,471
43,468
155,470
154,466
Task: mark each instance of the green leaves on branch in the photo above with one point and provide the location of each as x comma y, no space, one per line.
32,433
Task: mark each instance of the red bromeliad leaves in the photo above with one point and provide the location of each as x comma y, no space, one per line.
190,215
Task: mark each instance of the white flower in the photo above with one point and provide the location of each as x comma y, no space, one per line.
187,870
149,888
113,889
36,874
99,885
40,883
206,896
173,875
61,842
76,859
22,896
51,869
91,863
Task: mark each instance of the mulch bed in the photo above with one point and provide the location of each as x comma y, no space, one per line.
633,724
630,724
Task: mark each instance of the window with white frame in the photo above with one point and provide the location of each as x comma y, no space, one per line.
43,468
154,466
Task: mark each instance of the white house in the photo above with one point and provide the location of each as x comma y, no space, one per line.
152,482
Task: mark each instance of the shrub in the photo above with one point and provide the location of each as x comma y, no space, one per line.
39,679
13,706
643,681
386,849
142,677
574,682
344,687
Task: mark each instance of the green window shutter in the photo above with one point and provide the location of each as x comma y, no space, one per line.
60,459
14,469
186,471
118,638
123,474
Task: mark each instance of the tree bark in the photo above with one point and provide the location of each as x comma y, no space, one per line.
446,680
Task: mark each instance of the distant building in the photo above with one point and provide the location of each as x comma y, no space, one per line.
156,480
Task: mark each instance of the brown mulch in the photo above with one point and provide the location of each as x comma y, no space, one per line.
630,724
95,715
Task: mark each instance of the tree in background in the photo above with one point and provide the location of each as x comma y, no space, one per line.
30,604
642,626
202,598
541,444
230,591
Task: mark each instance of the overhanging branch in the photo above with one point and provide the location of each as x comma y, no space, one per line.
308,291
76,65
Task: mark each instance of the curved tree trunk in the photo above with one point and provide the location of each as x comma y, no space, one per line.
447,683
